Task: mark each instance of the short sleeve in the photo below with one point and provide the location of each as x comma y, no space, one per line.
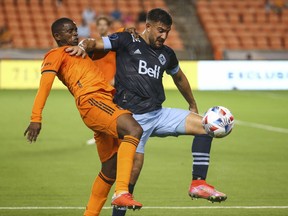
52,61
117,41
173,66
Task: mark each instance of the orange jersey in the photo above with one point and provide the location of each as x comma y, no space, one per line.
107,63
81,76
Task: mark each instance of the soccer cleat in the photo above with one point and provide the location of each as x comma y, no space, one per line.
125,200
200,189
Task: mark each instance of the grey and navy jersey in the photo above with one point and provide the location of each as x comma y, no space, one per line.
139,72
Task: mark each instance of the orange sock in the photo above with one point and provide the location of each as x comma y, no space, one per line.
125,159
99,194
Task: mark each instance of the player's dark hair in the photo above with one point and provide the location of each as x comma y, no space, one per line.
159,15
106,19
58,24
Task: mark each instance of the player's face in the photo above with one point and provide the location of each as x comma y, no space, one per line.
68,35
102,27
158,33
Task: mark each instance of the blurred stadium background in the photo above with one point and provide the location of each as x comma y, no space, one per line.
204,29
209,37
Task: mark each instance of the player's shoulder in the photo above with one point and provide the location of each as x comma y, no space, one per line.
168,49
56,51
117,35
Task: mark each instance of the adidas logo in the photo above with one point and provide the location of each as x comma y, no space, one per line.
137,52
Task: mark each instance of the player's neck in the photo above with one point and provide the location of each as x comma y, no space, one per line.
144,35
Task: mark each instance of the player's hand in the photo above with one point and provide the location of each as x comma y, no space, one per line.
32,131
193,108
133,31
76,50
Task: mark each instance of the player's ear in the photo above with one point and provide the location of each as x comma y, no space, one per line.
148,26
56,36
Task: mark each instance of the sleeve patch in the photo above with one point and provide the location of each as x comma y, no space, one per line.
113,37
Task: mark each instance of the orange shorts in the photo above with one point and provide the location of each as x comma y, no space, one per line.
107,145
100,114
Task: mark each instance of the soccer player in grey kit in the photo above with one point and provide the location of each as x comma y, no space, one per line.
140,64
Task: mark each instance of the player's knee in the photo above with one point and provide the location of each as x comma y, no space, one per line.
110,173
136,131
126,125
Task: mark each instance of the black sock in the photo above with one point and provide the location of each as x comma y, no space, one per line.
131,188
201,147
121,212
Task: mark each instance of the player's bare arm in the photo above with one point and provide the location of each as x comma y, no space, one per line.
184,87
34,127
86,45
93,44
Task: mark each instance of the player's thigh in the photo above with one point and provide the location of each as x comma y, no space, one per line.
176,122
193,124
127,125
100,114
172,122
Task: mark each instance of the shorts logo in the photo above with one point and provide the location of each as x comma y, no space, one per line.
113,37
162,59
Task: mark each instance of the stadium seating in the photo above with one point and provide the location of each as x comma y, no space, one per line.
29,21
242,25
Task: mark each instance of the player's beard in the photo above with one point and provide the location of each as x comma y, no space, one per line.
161,41
153,42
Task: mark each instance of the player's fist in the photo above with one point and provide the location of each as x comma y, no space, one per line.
133,31
32,131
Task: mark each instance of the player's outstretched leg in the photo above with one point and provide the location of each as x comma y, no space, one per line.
201,147
131,132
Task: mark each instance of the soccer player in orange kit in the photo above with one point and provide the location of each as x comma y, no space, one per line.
93,97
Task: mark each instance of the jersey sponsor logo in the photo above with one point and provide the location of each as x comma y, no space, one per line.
113,37
152,72
137,52
162,59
